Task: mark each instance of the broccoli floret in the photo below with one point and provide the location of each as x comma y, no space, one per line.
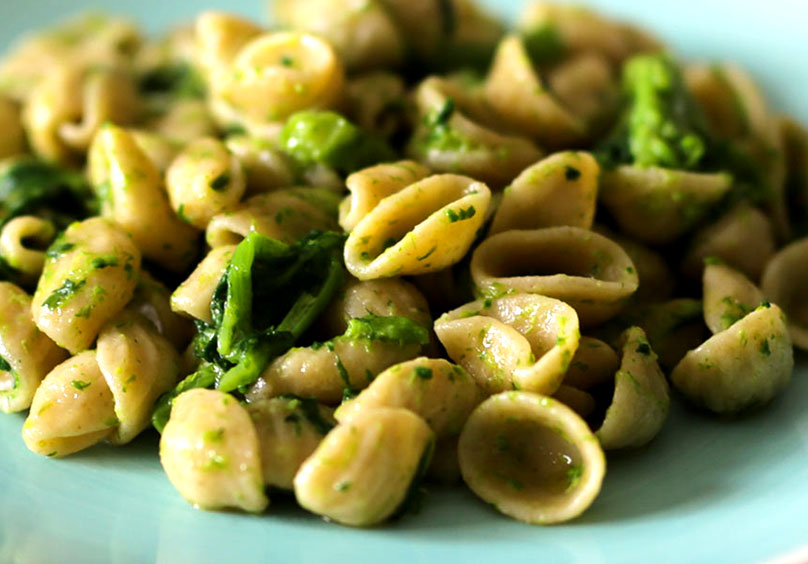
661,125
327,138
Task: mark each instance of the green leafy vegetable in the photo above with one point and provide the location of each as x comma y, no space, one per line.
269,295
327,138
179,79
205,377
32,187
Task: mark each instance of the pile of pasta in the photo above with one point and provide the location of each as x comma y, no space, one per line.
388,241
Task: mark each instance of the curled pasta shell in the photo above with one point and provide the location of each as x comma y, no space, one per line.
743,238
139,365
641,401
203,181
219,38
286,215
14,238
783,283
594,363
183,121
361,31
132,194
586,270
28,354
580,401
656,279
69,106
152,300
90,275
456,135
515,91
657,205
266,168
193,297
559,190
278,74
588,87
324,372
210,452
441,393
72,409
385,297
518,341
531,457
363,469
728,296
371,185
424,227
87,41
741,367
289,430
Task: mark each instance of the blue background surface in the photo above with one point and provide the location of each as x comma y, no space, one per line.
706,490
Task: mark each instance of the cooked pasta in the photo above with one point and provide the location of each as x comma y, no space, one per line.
358,249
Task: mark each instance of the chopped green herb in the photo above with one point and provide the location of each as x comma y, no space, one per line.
572,173
423,372
80,385
62,294
460,215
220,182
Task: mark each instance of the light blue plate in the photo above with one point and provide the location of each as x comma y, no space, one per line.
705,490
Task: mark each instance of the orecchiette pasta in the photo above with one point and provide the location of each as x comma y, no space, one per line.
363,469
454,135
203,181
69,106
743,238
13,244
265,167
782,283
593,274
640,403
658,205
194,295
132,194
277,74
85,42
26,354
518,341
728,297
361,31
72,409
741,367
289,430
89,276
136,366
531,457
559,190
211,452
517,94
439,392
370,186
424,227
286,215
